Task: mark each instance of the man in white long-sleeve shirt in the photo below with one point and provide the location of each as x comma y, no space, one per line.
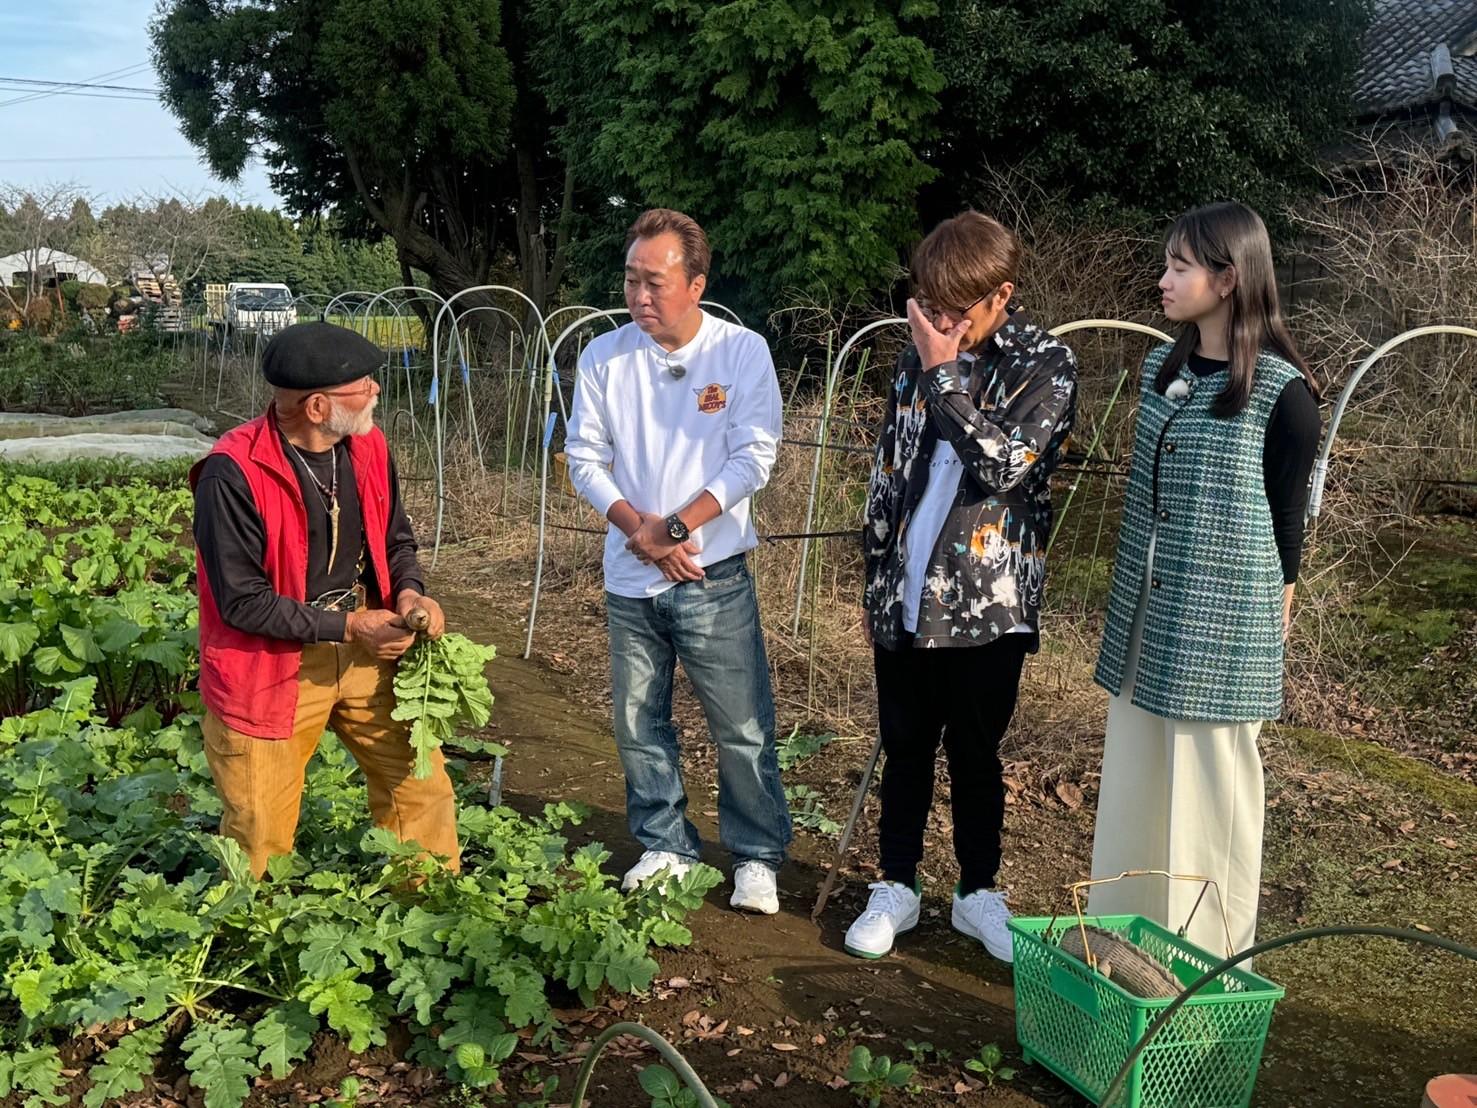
675,426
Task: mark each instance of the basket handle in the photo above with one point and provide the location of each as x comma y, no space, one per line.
1078,887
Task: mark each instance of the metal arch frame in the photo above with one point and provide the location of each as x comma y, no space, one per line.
543,495
821,436
306,300
522,336
466,367
591,314
1320,467
549,319
1109,325
436,386
733,315
421,293
861,791
1106,325
514,376
328,308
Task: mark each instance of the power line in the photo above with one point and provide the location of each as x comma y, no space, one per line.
102,158
106,75
77,84
102,96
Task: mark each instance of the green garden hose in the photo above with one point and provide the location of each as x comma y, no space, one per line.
668,1052
1261,948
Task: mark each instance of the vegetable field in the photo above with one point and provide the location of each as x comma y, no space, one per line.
133,937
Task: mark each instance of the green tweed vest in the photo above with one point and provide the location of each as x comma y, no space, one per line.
1211,647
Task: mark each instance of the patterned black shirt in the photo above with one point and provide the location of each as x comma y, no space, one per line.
1007,422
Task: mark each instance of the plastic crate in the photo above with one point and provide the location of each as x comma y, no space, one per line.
1081,1026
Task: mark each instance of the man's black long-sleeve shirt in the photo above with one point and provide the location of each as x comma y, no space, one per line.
232,541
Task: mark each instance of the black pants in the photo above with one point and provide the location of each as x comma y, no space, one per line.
965,695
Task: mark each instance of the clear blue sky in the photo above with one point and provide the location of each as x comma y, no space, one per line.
113,149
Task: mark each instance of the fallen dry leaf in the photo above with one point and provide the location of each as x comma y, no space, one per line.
783,1046
1069,794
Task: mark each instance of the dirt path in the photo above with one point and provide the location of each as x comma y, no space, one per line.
784,978
791,984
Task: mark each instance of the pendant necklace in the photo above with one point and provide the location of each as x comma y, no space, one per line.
330,498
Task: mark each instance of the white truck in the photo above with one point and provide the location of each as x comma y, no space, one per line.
249,306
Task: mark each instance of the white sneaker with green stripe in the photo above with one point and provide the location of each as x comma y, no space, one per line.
983,915
892,909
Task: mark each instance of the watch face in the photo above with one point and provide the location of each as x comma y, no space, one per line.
677,529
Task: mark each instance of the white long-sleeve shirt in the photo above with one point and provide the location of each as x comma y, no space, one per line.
639,434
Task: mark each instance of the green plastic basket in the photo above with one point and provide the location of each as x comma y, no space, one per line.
1081,1026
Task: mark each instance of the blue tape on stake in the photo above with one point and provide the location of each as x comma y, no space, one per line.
549,431
556,378
405,358
466,377
435,389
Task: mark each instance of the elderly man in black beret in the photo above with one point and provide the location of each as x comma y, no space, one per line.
307,569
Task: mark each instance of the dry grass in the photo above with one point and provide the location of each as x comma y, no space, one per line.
1394,247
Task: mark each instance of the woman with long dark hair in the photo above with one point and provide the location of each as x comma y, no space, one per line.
1203,581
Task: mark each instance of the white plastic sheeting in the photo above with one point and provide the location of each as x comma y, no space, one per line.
150,435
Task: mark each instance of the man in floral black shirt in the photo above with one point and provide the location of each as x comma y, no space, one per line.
957,519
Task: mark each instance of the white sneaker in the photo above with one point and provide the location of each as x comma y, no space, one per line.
892,910
982,915
754,889
654,863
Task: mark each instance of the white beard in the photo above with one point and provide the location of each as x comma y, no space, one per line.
343,423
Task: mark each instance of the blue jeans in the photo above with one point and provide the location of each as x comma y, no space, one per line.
712,627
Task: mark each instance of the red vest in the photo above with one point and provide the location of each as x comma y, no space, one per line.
249,681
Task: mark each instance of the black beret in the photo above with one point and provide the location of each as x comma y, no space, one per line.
318,356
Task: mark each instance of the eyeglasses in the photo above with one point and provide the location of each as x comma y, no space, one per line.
366,389
360,390
933,311
355,391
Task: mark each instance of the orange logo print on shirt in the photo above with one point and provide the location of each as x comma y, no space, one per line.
712,398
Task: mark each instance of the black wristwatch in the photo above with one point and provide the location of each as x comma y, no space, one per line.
676,528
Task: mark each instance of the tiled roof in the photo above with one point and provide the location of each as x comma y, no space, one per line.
1396,72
